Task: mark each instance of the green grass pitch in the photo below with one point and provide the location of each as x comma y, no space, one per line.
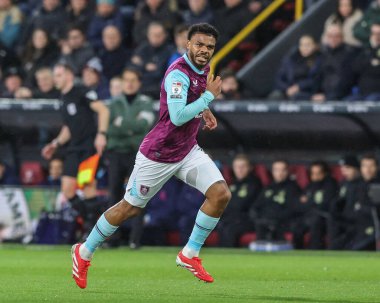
43,274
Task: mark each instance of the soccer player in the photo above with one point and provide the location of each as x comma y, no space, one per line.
81,132
170,148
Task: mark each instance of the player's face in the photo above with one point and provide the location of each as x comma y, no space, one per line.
279,171
241,168
131,83
349,172
59,77
201,47
316,173
368,169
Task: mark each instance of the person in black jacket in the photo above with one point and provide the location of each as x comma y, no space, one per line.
336,70
340,224
366,69
315,205
274,207
245,189
363,237
300,72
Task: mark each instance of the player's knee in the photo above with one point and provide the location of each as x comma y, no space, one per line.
123,210
221,195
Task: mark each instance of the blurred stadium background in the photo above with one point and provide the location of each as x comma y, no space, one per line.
300,87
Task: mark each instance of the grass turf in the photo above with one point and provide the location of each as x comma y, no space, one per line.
43,274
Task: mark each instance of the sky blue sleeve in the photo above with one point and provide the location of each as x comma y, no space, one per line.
176,86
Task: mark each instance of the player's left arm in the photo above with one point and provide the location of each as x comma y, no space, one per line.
176,85
103,119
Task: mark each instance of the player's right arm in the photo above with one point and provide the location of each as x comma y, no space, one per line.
62,138
177,84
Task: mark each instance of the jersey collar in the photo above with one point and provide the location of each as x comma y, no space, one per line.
198,71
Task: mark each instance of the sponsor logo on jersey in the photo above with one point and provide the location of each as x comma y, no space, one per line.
176,88
195,82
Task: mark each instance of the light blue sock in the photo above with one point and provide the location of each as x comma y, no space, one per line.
204,225
101,231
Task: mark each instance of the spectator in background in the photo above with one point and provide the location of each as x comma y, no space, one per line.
45,85
93,79
55,172
199,12
245,189
300,72
131,117
364,226
13,80
154,10
116,87
273,209
230,86
180,39
114,55
7,175
107,13
51,16
317,200
366,68
79,12
362,29
151,57
340,223
10,23
75,50
347,16
336,70
40,51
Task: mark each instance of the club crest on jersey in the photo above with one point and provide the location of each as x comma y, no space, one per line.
71,109
176,88
144,190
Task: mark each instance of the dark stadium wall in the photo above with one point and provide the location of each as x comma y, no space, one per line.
259,74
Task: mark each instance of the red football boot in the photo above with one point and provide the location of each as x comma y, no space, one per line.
80,267
194,265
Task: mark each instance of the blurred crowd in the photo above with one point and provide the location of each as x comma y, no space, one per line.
99,38
344,65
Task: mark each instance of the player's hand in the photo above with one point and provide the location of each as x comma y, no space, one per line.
48,151
100,143
210,120
214,85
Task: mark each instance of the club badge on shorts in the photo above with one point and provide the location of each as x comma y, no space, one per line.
144,190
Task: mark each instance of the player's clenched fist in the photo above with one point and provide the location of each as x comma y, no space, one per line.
214,85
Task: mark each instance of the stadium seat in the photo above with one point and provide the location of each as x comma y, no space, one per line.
263,174
336,173
247,238
31,173
213,239
299,173
172,238
227,174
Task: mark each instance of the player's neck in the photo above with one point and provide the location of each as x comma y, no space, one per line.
67,87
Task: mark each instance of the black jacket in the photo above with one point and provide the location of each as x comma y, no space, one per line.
244,194
320,195
277,201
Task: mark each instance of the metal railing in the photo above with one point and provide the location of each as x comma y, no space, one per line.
255,23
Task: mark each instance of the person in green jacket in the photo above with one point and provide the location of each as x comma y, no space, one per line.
131,117
362,29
